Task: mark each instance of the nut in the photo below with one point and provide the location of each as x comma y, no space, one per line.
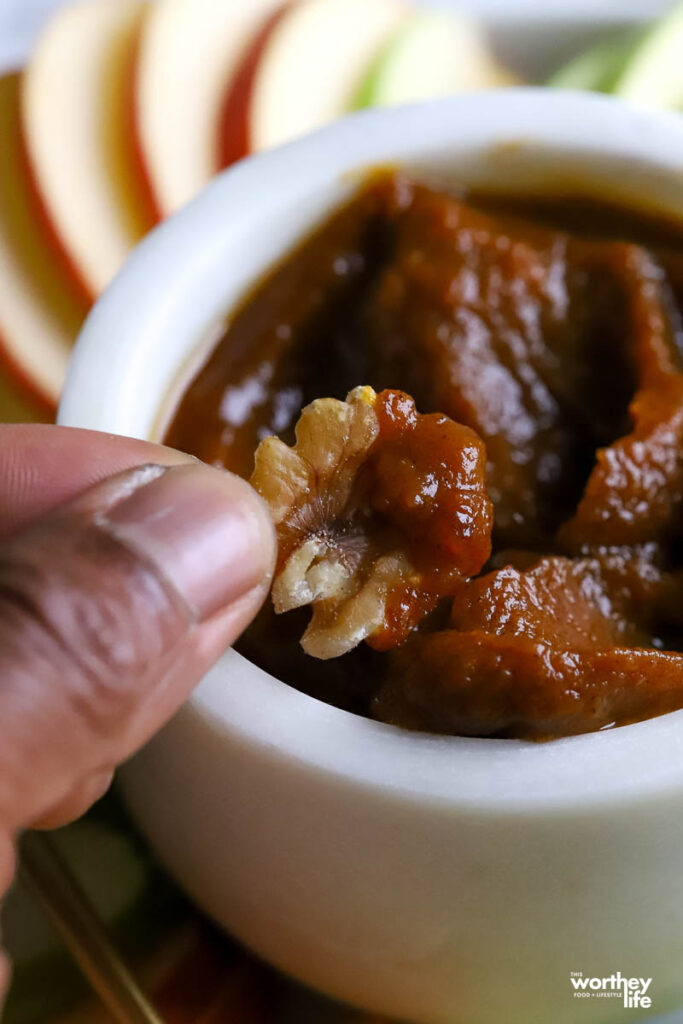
378,511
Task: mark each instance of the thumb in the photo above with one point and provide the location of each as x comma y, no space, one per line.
111,609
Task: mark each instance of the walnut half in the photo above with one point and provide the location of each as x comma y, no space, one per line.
379,513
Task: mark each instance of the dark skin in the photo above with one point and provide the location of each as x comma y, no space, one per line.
101,536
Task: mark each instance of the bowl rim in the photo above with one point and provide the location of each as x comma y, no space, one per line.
634,761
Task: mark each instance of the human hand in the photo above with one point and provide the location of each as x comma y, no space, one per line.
126,569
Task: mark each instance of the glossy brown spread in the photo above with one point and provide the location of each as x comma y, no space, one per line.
552,332
380,513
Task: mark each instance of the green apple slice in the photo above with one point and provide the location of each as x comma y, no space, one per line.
434,54
597,68
654,74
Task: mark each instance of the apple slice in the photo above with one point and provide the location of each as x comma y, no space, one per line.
18,407
39,312
654,74
189,53
313,64
234,133
435,53
76,121
597,68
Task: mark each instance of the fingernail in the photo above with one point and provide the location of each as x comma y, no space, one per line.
207,531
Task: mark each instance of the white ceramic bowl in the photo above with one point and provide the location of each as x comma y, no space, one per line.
435,879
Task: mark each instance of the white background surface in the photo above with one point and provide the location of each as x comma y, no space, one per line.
559,27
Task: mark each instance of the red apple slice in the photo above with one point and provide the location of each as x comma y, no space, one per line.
314,63
16,407
76,121
39,313
234,129
189,53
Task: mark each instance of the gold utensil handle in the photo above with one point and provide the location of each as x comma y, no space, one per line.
45,874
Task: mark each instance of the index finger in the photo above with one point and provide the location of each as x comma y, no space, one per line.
42,466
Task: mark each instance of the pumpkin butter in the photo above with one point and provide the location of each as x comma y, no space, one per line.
480,511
